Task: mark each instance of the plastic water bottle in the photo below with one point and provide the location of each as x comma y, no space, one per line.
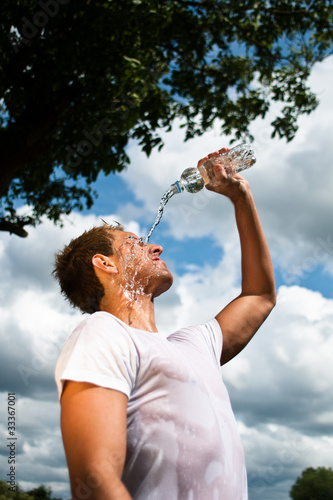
237,159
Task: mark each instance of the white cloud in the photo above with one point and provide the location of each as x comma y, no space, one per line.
292,349
39,455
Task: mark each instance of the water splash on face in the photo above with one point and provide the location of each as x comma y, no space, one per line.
134,257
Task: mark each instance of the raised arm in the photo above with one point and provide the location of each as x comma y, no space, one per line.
240,319
93,424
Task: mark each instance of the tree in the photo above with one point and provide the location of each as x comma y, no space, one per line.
313,484
16,493
79,79
42,493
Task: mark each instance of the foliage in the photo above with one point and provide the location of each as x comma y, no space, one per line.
313,484
79,79
39,493
18,494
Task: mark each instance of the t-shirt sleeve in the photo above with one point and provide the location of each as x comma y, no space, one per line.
207,337
101,352
213,338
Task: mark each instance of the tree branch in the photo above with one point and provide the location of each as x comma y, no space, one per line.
14,228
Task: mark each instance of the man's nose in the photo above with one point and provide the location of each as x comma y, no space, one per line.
155,249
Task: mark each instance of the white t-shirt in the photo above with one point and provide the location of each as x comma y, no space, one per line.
182,438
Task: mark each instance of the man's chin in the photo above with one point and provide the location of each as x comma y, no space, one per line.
164,287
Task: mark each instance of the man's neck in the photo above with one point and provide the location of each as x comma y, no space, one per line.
134,309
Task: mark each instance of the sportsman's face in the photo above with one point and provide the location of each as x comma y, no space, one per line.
140,264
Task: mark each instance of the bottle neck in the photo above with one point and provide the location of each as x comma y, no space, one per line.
177,187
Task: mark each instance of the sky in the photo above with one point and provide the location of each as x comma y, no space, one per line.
281,384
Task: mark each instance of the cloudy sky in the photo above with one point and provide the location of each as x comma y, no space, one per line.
281,385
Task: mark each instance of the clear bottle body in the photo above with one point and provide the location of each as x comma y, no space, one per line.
237,159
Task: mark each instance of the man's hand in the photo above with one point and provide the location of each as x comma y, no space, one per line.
233,187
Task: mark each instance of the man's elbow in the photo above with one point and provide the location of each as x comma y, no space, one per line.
270,300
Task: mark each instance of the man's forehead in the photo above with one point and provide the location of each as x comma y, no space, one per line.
129,235
125,235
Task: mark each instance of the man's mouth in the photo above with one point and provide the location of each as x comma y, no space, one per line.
157,259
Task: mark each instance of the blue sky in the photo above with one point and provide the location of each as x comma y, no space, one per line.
280,385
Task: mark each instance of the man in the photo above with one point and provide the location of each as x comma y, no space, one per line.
144,416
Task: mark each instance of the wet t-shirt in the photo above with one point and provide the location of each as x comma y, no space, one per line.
182,438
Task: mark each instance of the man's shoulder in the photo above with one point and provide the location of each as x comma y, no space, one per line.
99,334
98,351
100,320
99,328
99,317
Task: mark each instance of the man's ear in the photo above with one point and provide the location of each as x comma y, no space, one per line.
104,263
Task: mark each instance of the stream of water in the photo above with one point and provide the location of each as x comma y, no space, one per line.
164,200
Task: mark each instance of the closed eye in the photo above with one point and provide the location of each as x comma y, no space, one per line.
135,238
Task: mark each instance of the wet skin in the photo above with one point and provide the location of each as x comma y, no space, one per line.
140,264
